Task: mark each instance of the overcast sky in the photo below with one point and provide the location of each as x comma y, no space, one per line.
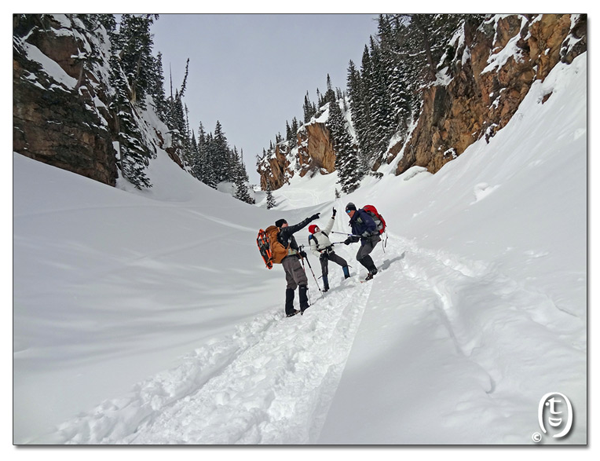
252,71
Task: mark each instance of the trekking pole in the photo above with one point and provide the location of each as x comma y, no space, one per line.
307,291
310,267
344,233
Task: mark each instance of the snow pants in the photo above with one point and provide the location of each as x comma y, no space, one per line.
366,247
294,272
295,277
330,256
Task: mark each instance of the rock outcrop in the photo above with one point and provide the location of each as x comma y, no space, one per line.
313,153
60,116
488,72
315,149
491,73
274,169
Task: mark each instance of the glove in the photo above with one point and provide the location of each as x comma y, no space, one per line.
303,254
315,216
334,211
348,241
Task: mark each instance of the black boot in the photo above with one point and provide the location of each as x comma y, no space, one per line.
372,268
303,289
289,303
367,261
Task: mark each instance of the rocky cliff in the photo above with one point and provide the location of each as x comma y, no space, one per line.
492,70
312,153
274,169
60,82
62,91
315,149
486,73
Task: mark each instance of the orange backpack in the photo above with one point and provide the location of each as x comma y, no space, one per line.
271,250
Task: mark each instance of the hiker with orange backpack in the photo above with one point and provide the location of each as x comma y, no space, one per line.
364,229
289,257
322,248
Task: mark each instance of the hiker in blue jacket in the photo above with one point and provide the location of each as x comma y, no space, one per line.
365,230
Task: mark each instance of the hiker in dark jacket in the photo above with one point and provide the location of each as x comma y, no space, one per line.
365,230
294,272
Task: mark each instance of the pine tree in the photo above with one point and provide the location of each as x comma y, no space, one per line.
346,162
329,94
241,177
221,156
177,122
157,90
382,127
176,118
362,111
202,167
309,109
271,203
109,22
137,62
133,153
195,154
422,39
210,174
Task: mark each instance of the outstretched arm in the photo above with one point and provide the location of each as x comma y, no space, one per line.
329,226
302,224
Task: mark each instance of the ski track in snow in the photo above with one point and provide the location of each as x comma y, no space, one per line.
272,381
269,383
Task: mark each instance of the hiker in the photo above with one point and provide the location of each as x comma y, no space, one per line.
365,230
322,248
294,272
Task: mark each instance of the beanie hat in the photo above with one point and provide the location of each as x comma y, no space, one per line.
312,228
280,222
350,206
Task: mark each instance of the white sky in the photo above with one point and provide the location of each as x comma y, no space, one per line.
252,71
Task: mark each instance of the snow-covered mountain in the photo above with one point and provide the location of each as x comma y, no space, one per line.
147,317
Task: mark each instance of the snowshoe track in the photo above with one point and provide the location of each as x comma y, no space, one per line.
269,383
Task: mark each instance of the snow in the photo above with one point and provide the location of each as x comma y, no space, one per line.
49,66
147,317
497,60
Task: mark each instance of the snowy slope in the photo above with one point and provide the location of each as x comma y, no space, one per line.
101,276
148,318
486,310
